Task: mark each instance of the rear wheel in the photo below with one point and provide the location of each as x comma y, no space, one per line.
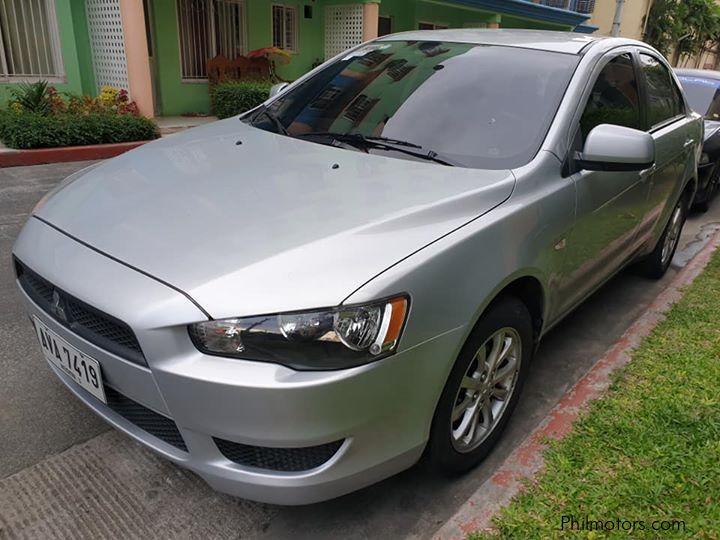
483,388
657,263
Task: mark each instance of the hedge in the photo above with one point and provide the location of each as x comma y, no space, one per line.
232,98
24,130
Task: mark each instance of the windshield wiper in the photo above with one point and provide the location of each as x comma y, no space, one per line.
382,143
267,113
359,137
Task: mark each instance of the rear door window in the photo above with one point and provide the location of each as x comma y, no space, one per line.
663,95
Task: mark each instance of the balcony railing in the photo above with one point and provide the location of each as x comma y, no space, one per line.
580,6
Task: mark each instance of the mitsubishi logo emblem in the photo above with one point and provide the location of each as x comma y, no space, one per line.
58,307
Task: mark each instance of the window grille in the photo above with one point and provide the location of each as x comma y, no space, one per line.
373,58
359,108
581,6
328,96
284,24
397,69
29,40
208,28
585,6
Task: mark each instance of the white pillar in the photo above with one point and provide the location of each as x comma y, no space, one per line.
138,57
371,14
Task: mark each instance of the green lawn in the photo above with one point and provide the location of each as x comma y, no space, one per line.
649,451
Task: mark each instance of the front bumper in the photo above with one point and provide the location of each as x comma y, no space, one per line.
381,412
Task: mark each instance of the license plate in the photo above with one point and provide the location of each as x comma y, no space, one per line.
84,370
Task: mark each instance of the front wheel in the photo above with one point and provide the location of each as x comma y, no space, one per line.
483,388
703,205
657,263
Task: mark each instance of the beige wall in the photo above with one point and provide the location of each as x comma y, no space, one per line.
707,59
632,19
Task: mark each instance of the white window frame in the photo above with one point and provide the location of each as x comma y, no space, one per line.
53,37
286,7
212,46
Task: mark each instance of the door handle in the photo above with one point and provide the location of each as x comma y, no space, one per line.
689,142
647,172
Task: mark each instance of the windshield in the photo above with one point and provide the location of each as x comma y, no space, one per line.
703,95
473,105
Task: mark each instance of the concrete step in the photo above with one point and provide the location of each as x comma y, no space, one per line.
175,124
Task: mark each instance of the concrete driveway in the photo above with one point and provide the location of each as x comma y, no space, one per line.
64,474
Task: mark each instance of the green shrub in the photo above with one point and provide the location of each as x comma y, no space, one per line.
233,98
23,130
32,97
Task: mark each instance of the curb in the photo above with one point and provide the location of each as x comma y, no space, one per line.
40,156
527,460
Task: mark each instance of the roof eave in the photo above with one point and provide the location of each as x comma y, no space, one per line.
526,8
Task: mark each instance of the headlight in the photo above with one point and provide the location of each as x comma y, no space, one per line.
334,338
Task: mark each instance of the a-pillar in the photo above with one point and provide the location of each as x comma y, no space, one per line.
137,55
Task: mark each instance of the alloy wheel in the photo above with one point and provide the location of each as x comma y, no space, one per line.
673,234
486,389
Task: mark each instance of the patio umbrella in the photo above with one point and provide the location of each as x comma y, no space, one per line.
274,54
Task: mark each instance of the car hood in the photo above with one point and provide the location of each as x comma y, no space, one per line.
246,221
711,127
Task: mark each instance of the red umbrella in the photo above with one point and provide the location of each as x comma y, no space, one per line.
274,54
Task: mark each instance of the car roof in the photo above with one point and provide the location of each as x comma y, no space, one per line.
564,42
700,73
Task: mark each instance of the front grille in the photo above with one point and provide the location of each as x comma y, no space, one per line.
155,424
97,327
278,459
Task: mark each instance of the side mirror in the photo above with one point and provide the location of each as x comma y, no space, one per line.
616,148
275,89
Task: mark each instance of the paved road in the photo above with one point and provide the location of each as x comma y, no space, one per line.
53,450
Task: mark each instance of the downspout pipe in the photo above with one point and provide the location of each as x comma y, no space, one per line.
617,19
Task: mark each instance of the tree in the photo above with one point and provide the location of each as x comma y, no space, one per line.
682,26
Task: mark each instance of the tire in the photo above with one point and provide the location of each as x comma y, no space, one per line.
455,446
704,204
658,262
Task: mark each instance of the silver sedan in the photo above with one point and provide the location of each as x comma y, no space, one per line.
306,299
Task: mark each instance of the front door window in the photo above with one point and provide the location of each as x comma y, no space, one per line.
614,97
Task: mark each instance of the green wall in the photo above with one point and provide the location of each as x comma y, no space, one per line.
402,13
177,97
84,53
69,18
451,16
311,42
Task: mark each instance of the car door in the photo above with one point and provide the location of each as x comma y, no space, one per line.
609,203
675,134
